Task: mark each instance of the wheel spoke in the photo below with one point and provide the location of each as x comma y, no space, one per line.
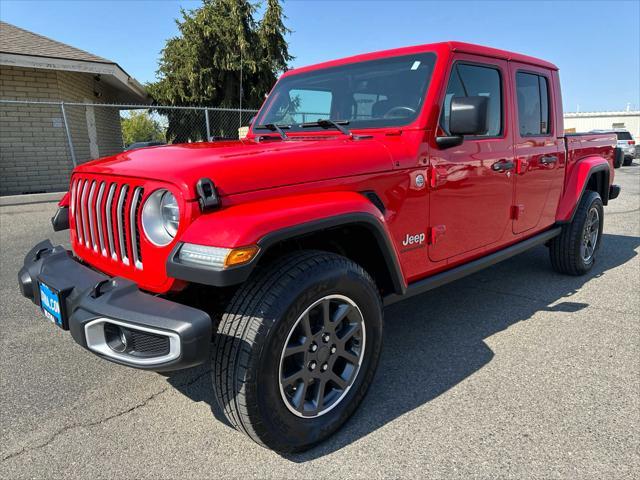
351,331
326,315
350,357
293,378
320,394
294,349
343,310
339,381
306,326
300,396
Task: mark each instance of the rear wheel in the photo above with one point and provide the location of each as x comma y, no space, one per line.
628,160
574,251
618,159
297,348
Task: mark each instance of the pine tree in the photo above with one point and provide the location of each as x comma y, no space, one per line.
202,65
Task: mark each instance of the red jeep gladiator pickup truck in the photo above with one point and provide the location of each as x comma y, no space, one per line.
362,182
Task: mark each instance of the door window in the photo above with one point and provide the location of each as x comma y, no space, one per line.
474,80
533,104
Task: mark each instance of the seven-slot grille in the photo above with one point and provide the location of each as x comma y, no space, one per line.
105,213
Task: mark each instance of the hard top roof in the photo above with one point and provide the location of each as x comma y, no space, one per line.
450,46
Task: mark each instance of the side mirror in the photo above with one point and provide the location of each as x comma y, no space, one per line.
468,116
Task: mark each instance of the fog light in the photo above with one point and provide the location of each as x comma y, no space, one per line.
117,338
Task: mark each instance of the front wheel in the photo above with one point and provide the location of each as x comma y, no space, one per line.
574,251
297,349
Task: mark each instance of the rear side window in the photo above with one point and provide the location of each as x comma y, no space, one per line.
623,136
474,80
533,104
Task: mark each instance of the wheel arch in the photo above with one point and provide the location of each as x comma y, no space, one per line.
358,236
589,174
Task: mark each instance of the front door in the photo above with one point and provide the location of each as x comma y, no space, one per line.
538,151
472,184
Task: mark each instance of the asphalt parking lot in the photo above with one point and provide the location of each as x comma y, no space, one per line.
515,371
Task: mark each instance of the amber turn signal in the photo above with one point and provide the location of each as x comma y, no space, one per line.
240,256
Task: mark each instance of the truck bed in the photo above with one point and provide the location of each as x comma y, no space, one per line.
582,145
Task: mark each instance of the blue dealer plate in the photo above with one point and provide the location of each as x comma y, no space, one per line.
50,303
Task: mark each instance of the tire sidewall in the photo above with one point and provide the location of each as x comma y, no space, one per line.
285,428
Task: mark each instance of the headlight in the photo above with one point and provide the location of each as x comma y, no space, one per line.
161,217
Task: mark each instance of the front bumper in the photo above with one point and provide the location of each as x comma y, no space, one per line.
94,304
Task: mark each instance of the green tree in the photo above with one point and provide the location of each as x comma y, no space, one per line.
202,65
140,127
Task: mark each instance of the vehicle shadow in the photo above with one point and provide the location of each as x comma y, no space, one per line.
435,341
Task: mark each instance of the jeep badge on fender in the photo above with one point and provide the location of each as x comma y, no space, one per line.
412,239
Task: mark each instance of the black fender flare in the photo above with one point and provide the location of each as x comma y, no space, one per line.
237,275
602,167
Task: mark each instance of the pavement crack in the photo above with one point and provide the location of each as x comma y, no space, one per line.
133,408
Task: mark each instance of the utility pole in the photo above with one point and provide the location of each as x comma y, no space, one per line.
240,112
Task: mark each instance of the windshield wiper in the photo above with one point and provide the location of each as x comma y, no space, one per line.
326,123
276,128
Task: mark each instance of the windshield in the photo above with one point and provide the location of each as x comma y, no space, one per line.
377,93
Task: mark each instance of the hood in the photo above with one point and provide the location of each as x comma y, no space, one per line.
245,165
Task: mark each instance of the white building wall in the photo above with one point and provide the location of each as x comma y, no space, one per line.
587,121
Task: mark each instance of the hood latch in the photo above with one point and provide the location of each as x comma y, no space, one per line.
207,195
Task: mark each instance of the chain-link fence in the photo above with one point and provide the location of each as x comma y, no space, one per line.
41,141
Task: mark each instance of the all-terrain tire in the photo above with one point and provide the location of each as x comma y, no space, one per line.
566,250
256,326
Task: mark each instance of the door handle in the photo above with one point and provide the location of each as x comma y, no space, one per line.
548,160
503,166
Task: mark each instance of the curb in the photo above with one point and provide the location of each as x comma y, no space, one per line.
30,198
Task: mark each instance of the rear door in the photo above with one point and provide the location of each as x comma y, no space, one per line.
537,148
472,184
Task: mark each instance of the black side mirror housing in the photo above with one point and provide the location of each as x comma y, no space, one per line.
449,141
469,115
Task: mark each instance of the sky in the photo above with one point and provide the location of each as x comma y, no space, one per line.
595,44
